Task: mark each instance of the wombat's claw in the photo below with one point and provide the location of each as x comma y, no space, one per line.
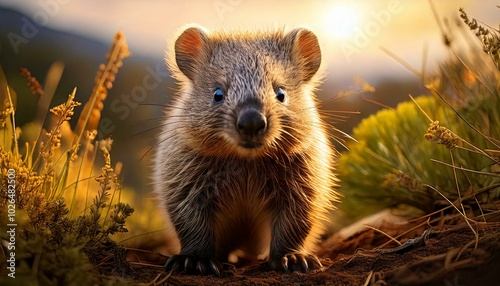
296,261
191,264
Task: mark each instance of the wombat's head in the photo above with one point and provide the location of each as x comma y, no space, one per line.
246,94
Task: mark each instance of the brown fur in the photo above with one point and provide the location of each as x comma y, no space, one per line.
223,198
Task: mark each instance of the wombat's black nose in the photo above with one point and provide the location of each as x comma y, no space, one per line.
251,122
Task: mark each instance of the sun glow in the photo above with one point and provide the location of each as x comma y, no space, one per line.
341,22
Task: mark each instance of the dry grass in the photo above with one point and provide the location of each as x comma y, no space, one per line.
62,239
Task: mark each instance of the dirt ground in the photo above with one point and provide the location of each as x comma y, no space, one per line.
435,255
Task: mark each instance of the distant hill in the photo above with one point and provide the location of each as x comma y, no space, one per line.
80,55
37,48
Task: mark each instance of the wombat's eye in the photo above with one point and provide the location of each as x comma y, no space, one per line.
218,95
280,94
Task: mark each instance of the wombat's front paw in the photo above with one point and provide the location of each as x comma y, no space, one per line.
295,261
191,264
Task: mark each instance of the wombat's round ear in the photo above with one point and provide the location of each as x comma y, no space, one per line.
306,51
190,51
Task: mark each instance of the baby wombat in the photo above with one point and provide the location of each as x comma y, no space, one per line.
243,166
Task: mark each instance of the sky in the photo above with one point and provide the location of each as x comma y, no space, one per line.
351,33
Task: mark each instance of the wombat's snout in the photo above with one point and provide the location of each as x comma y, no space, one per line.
251,123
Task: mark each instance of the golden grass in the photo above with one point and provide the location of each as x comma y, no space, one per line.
56,243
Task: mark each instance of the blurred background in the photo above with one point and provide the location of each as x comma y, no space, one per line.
352,34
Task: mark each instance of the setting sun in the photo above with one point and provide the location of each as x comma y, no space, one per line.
342,21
